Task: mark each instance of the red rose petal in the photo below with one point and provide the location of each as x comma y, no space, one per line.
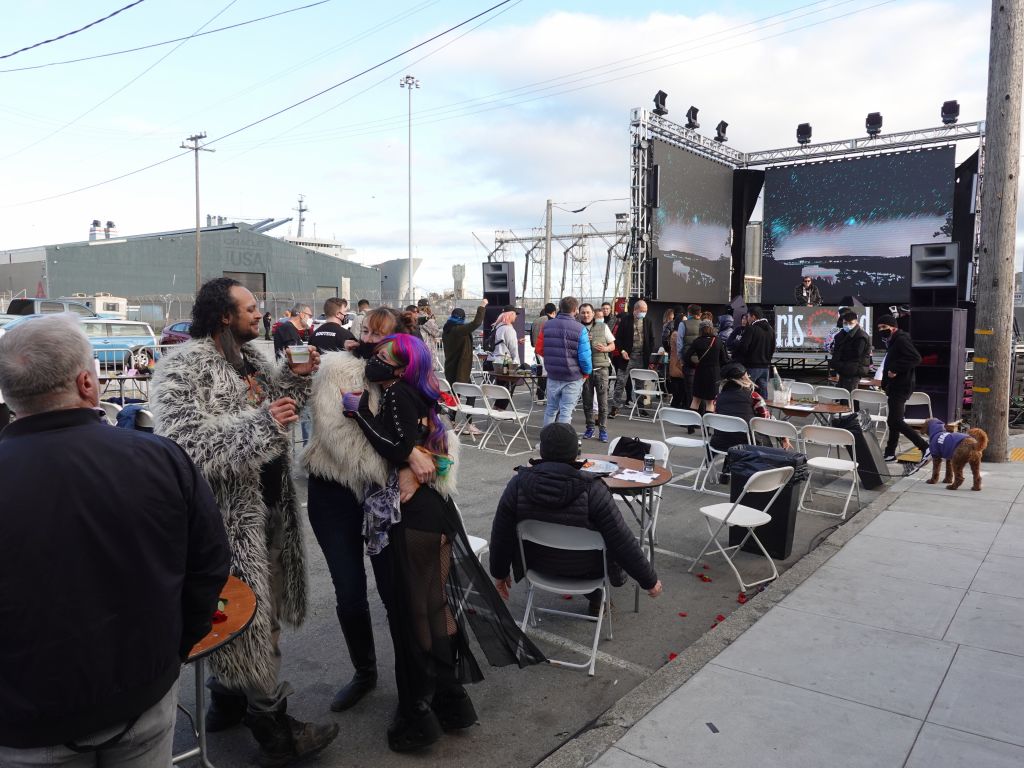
682,614
714,625
567,597
219,616
707,567
741,599
673,656
719,617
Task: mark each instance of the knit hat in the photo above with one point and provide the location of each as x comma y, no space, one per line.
459,313
887,320
733,371
559,442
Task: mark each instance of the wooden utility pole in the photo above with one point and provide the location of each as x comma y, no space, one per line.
993,343
195,139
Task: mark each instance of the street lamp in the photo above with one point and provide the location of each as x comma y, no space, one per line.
410,82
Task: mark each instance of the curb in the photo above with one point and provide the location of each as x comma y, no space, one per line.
596,738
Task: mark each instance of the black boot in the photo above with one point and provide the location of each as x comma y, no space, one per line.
358,633
283,739
416,730
454,708
226,710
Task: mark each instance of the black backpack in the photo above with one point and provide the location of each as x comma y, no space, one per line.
492,339
631,448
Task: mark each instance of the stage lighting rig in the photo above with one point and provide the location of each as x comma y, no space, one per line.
873,123
720,131
950,112
803,133
659,103
691,119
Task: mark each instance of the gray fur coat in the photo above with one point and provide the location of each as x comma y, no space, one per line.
338,450
200,402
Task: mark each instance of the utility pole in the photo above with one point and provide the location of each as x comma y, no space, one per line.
195,139
547,254
993,345
410,82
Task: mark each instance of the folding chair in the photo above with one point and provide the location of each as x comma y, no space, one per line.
877,406
571,538
465,392
919,400
681,418
716,422
832,395
660,452
493,393
830,437
774,429
645,384
801,389
110,410
477,544
736,513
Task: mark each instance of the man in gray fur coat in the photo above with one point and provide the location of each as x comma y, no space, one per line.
231,411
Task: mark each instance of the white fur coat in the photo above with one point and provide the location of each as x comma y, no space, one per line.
338,450
199,401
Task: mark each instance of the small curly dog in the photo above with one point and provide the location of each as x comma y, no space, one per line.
957,449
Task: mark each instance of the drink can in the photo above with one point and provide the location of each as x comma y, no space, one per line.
649,464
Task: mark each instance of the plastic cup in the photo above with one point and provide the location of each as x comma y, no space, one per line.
299,354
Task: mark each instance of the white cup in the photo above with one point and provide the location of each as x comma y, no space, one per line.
299,354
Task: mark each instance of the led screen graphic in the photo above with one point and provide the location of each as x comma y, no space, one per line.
692,227
849,224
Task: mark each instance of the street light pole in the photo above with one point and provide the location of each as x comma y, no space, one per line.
195,139
410,82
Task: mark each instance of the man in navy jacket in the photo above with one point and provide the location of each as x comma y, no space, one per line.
112,556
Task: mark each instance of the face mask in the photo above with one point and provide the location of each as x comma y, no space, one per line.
849,327
377,370
886,334
641,315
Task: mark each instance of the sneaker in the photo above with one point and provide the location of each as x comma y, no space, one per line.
603,435
889,458
926,454
589,434
474,430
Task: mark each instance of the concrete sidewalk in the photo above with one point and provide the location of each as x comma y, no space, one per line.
903,647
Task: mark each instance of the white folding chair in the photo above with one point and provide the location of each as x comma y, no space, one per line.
110,410
575,539
682,418
832,395
493,393
476,543
736,513
716,422
830,437
773,429
801,389
919,399
645,384
444,386
464,392
877,405
660,452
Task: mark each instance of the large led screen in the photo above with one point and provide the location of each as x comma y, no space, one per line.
849,224
692,227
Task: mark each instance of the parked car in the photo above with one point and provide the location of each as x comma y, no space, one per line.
127,343
14,322
48,307
177,333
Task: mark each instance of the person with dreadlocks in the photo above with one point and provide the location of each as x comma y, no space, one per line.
427,575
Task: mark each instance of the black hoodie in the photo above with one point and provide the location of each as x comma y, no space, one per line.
555,492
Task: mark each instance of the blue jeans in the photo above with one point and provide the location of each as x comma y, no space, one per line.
760,377
336,517
562,397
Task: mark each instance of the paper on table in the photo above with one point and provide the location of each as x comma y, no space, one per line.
633,476
797,407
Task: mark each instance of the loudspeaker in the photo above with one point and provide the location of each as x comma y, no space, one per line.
940,335
654,187
499,282
934,266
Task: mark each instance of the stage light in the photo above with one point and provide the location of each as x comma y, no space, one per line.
720,131
659,103
950,112
803,133
873,123
691,119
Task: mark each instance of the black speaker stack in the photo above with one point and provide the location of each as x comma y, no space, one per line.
940,335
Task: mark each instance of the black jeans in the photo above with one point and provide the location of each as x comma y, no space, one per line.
898,426
336,517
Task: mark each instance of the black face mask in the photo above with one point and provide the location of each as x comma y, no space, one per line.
377,370
886,334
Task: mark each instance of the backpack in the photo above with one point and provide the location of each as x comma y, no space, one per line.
631,448
492,340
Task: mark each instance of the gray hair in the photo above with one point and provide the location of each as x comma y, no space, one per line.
39,362
298,309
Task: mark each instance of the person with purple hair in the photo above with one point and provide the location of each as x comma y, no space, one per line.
424,566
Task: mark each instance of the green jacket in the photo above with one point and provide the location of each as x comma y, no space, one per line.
599,333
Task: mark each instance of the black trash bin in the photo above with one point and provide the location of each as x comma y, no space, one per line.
871,464
777,536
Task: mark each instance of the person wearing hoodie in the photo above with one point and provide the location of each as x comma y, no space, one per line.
457,340
901,358
554,490
725,329
757,348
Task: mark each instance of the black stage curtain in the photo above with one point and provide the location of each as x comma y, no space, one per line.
746,188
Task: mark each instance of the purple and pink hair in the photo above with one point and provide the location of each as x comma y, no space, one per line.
410,351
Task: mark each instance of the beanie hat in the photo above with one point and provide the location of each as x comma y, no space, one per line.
733,371
459,312
887,320
559,442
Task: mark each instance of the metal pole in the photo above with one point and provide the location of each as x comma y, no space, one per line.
547,254
410,82
993,344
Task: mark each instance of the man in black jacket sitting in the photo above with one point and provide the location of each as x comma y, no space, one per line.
112,556
901,358
554,491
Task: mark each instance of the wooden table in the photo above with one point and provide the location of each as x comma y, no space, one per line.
240,608
821,411
627,490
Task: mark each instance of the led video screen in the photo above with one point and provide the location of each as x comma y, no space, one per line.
692,227
849,224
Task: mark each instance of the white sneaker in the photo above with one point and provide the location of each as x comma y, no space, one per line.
474,430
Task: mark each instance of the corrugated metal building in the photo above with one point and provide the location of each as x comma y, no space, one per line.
163,264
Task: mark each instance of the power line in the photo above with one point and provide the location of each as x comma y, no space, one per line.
165,42
73,32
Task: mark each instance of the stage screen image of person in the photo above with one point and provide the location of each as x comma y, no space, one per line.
849,224
692,227
811,328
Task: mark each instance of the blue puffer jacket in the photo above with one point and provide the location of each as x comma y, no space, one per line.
565,346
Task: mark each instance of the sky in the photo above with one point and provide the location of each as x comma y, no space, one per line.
529,102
